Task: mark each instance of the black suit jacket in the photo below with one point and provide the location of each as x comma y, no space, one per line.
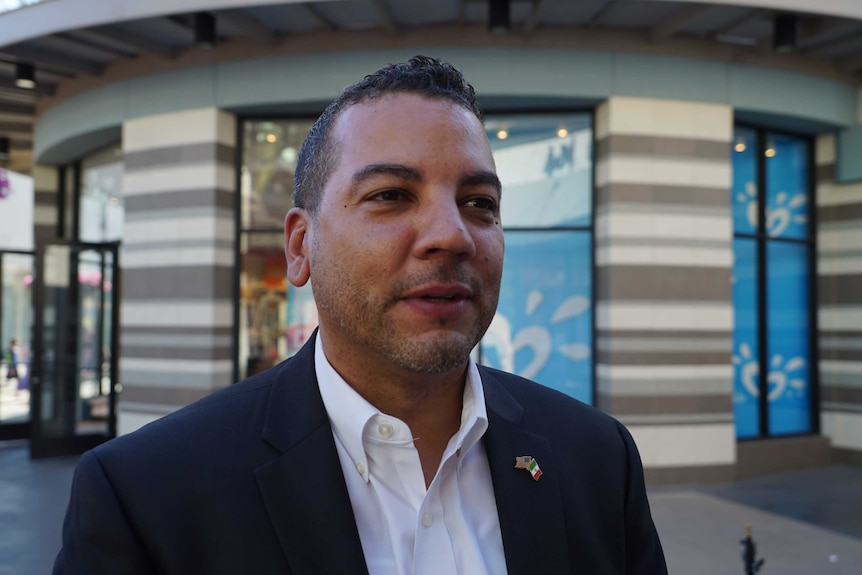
248,480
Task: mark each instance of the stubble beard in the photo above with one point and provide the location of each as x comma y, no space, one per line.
369,324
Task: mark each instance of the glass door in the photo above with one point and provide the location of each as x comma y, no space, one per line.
74,381
16,329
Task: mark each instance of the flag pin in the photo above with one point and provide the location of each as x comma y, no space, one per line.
527,462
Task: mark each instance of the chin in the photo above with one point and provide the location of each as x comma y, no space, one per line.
433,354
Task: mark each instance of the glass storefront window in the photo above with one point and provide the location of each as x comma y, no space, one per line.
102,210
746,343
745,195
270,150
17,323
545,164
273,320
543,326
772,266
788,334
786,187
263,302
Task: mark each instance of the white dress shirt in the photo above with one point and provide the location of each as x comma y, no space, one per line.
405,529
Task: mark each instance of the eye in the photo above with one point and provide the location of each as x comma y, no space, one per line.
387,196
483,203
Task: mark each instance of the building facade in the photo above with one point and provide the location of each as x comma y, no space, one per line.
683,215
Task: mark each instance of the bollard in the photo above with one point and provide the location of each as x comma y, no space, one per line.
749,553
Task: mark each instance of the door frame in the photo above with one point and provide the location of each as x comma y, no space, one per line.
70,442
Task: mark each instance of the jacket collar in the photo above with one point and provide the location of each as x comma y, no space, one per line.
303,487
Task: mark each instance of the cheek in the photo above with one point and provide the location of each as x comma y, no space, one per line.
491,255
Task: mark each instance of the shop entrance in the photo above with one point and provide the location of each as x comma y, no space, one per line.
16,329
74,381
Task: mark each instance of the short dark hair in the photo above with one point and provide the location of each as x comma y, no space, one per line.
422,75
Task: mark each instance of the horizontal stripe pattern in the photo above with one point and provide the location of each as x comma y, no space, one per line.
668,118
661,283
182,199
192,153
839,271
684,445
175,178
178,260
662,315
667,404
635,193
182,282
664,254
663,146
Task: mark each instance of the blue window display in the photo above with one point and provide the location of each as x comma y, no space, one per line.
745,196
786,187
543,326
787,334
746,350
786,165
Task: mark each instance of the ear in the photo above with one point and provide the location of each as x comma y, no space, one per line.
296,232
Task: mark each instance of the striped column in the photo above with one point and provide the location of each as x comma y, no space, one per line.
177,261
664,313
45,204
839,273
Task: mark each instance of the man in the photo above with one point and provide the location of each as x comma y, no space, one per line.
380,447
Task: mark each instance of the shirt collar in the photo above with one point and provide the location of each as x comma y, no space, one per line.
349,412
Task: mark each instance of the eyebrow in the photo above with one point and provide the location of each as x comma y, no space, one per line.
483,178
478,178
397,170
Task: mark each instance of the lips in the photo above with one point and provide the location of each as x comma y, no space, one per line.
440,293
439,301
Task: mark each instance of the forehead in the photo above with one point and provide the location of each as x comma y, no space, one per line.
406,116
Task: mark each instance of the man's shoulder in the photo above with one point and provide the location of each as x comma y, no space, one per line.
207,421
544,404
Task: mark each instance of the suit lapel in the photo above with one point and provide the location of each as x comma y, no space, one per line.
530,511
303,488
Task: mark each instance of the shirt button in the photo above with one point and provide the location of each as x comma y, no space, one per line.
385,430
427,519
360,468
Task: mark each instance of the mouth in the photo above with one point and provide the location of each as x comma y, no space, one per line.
440,293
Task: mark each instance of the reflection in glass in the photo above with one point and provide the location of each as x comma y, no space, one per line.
787,332
102,206
270,151
17,321
543,327
77,312
746,348
95,290
545,165
263,304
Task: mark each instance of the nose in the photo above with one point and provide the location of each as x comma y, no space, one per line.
441,229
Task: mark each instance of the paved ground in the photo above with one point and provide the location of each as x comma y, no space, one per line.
805,522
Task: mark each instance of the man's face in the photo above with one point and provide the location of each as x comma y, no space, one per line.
405,252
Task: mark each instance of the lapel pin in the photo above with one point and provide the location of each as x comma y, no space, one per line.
528,463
